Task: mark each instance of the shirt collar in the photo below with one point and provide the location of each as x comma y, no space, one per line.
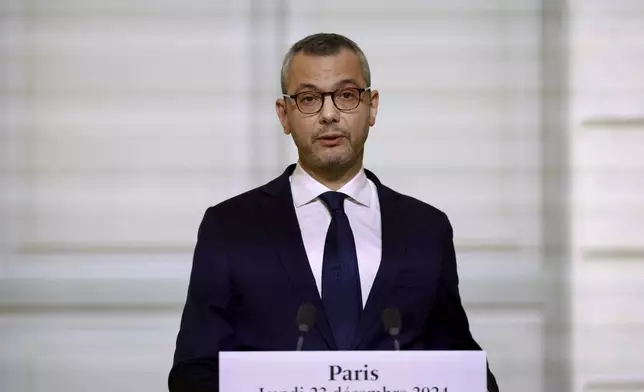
306,189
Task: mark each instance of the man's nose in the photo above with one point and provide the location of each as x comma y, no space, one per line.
329,113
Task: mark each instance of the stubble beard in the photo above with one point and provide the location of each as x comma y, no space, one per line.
330,157
334,158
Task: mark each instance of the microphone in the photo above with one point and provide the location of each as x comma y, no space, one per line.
392,324
305,320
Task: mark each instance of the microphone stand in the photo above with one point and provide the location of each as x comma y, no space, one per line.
300,341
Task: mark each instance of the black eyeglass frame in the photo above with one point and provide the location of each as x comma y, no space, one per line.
324,94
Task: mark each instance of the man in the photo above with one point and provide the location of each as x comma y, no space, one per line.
326,232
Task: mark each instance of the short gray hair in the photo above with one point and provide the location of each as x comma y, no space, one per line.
324,44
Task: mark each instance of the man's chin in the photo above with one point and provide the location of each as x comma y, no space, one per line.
334,160
335,166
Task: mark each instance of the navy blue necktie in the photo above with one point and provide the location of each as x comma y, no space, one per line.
341,293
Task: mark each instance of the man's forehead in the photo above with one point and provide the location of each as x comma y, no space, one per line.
328,70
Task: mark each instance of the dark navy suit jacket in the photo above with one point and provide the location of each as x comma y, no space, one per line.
250,274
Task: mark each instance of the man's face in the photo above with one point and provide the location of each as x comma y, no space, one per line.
330,138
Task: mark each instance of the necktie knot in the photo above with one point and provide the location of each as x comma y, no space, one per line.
333,200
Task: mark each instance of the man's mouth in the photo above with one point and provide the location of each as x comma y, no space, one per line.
331,139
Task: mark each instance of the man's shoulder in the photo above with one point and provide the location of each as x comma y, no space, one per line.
239,204
415,207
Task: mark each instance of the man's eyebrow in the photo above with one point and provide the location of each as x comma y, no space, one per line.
303,86
344,82
336,85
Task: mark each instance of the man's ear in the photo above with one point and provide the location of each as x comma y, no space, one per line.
373,107
281,110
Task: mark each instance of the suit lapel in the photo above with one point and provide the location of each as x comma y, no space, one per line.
283,228
393,250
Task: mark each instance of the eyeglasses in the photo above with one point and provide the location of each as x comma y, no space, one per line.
311,102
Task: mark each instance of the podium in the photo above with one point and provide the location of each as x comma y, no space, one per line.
353,371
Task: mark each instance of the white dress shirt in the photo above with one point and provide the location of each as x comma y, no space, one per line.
363,210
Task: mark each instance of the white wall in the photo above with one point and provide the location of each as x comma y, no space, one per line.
124,121
607,138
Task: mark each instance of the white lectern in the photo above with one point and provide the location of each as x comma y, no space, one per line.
353,371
